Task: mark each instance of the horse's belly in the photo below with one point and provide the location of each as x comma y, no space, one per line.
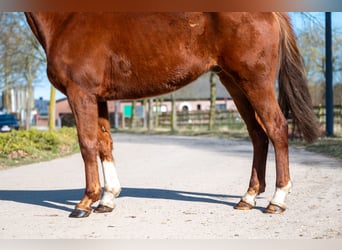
147,81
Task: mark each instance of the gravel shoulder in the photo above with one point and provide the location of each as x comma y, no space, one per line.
174,187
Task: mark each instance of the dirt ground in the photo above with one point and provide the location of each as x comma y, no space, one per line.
173,188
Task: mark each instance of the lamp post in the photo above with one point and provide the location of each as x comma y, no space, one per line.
329,98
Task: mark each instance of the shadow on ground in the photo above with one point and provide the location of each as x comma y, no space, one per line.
61,199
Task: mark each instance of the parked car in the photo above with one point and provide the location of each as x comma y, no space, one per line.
8,122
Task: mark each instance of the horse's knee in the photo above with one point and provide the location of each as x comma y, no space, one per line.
88,148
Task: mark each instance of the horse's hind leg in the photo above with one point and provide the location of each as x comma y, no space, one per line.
267,108
263,101
259,138
112,186
251,57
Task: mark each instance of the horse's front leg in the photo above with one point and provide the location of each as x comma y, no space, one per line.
112,187
85,110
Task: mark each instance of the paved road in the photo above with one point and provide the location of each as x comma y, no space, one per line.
173,187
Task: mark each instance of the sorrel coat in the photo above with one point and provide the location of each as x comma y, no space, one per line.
95,57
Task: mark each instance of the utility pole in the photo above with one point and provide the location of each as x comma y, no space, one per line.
329,98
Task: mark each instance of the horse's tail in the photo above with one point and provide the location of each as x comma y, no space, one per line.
294,96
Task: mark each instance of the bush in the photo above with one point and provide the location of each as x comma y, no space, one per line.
35,145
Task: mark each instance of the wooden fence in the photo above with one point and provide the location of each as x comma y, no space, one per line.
320,113
200,120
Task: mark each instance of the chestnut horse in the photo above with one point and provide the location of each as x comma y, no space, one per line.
95,57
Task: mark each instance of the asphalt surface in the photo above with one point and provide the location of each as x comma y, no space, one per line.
173,188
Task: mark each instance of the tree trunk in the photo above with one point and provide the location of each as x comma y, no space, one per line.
156,115
143,103
173,113
29,101
212,101
116,114
150,114
133,117
6,98
52,108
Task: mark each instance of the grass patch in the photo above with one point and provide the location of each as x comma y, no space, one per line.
23,147
327,146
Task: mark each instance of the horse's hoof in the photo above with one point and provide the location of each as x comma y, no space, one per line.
103,209
242,205
79,213
274,209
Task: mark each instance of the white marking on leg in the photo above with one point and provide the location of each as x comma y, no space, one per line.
280,195
249,198
112,187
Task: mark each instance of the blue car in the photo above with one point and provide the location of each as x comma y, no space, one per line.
8,122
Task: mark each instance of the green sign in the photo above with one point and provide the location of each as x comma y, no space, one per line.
127,111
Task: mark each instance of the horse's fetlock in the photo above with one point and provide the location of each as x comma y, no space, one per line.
262,188
94,195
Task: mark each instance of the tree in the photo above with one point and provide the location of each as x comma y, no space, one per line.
21,60
34,60
311,41
9,69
